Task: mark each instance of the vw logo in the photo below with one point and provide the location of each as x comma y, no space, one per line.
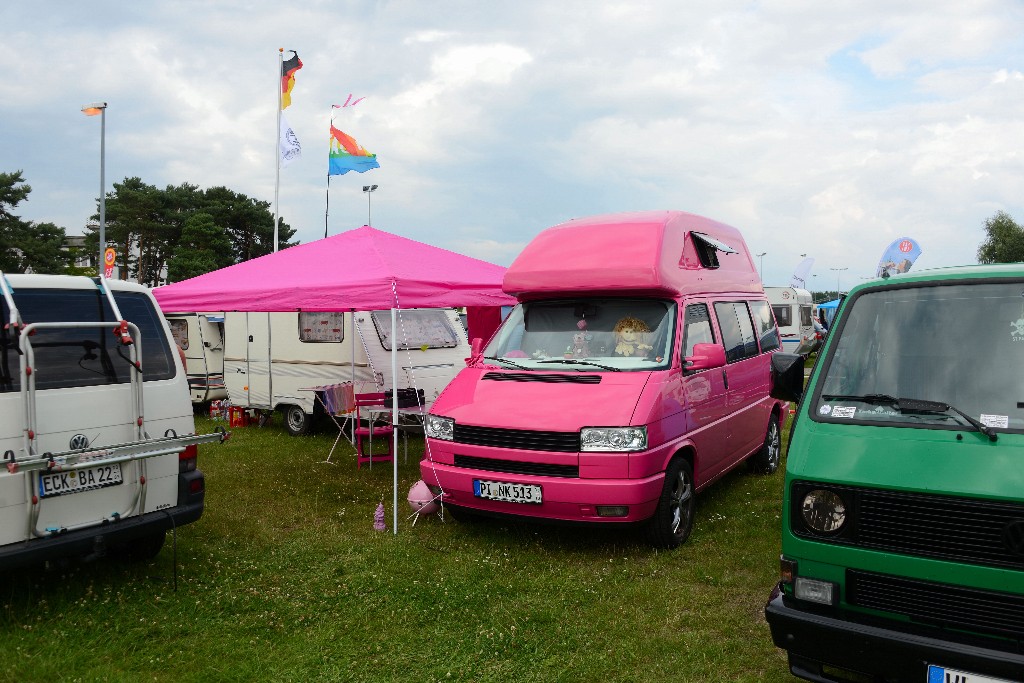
1013,537
79,442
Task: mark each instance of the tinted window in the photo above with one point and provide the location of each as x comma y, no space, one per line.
698,327
82,357
805,316
179,332
737,330
767,332
784,314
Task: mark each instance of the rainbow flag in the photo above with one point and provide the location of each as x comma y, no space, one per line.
348,155
288,69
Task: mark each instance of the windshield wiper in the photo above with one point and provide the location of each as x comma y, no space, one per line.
505,360
580,361
916,405
881,399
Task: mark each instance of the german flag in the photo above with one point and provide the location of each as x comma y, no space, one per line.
288,69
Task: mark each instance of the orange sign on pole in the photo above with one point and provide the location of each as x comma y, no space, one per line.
109,256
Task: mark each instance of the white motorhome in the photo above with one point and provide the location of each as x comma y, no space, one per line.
272,360
96,427
201,337
793,308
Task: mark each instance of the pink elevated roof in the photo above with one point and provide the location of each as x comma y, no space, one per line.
648,253
364,269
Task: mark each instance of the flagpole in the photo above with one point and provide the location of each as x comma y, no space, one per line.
277,145
327,205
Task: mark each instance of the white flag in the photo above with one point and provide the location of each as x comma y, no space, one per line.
290,147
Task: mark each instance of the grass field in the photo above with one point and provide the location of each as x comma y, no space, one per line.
285,579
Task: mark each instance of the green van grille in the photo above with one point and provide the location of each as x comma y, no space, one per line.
966,530
989,612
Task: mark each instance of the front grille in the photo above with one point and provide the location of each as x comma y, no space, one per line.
964,530
515,467
542,377
989,612
521,439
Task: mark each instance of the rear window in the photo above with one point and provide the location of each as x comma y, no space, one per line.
418,329
82,357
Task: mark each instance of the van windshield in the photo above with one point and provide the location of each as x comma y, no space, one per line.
961,345
592,334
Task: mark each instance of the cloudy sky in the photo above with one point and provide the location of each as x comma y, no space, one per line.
820,128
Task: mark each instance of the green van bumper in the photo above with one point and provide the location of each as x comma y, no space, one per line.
819,644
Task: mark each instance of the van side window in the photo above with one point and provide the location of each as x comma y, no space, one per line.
737,330
698,327
83,357
767,332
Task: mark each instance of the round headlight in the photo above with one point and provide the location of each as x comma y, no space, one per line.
824,511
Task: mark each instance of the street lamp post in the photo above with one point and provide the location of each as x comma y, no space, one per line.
839,271
368,189
761,256
92,110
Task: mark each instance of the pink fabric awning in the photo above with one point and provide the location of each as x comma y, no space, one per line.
364,269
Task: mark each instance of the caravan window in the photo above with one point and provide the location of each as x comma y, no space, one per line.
179,331
805,316
417,329
783,315
322,327
77,356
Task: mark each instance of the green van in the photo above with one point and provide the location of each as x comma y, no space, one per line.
903,513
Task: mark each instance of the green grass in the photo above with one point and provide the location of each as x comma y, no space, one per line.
284,579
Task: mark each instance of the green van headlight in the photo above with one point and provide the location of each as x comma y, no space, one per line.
823,511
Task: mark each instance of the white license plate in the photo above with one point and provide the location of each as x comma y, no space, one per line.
504,491
940,674
74,481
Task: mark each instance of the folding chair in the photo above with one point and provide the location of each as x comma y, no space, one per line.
375,406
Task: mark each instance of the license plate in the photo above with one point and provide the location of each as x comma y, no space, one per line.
74,481
940,674
504,491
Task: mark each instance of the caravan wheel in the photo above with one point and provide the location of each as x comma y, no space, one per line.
296,421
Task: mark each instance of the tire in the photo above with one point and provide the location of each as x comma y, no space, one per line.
673,519
766,460
296,421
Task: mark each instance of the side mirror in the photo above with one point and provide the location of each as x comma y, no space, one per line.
705,357
787,376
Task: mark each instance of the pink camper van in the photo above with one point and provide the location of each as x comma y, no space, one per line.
633,372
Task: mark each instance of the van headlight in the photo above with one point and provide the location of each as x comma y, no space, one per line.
823,511
439,427
613,439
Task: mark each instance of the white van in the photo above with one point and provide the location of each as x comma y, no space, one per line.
273,360
201,337
96,428
793,308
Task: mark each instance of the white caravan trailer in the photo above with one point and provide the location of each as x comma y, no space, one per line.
201,337
793,313
97,455
271,360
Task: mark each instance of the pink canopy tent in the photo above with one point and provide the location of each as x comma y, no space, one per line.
364,269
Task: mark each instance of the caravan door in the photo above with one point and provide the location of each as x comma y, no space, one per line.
247,359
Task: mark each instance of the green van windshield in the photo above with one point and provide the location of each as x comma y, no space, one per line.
936,356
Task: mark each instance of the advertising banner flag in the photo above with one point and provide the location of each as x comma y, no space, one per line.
898,257
803,270
109,258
